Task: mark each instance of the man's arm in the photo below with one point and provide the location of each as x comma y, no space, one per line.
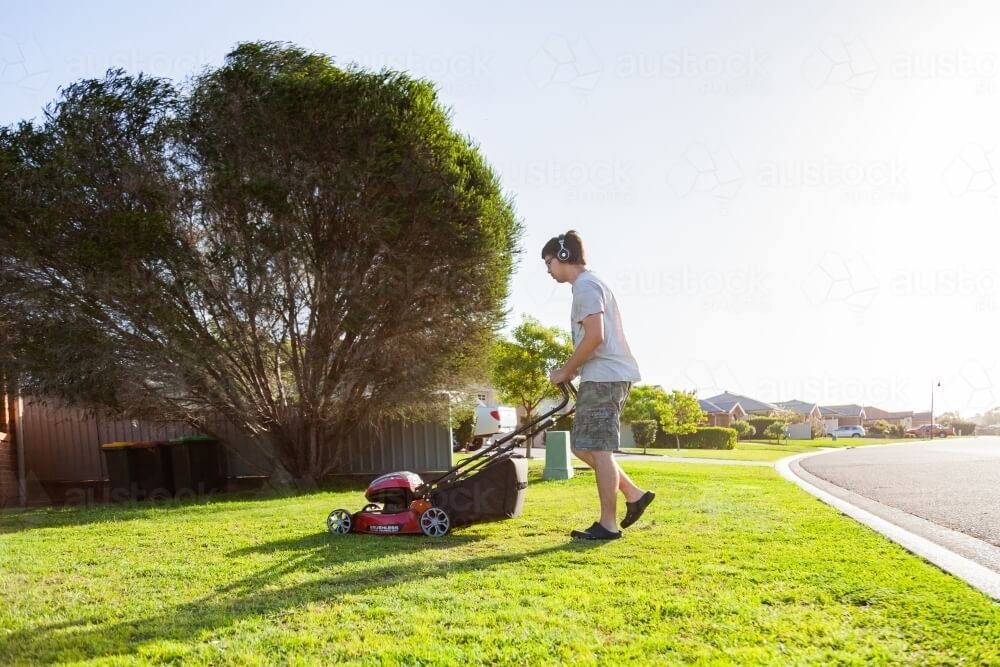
593,336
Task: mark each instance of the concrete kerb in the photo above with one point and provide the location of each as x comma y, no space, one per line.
976,575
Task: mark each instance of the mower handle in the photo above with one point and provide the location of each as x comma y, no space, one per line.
532,429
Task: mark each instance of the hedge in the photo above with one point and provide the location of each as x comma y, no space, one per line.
964,428
706,437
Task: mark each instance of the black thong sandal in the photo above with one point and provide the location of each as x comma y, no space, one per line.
634,510
595,532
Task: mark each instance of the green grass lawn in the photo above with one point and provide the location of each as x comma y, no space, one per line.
764,450
731,564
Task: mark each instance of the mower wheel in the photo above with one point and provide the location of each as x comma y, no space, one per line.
339,522
435,522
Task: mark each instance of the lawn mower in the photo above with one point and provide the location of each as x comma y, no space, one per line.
487,486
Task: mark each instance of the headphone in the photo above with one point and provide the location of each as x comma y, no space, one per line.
563,253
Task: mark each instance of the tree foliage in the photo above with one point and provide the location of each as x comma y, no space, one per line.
644,433
296,246
645,402
520,364
776,431
683,417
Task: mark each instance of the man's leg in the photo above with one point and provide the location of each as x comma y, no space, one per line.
625,484
607,487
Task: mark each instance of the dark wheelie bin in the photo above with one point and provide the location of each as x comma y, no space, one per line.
197,464
138,470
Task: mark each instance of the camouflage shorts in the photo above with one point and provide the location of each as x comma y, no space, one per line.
596,421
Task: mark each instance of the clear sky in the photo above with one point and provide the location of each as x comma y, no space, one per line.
790,199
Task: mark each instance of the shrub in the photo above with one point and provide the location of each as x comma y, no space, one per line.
709,437
880,428
743,429
644,433
964,428
760,424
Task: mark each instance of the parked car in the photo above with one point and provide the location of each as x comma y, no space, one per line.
847,432
490,421
932,431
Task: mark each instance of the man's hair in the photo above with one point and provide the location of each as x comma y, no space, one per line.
572,242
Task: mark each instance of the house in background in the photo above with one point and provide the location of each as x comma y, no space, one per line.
810,412
846,415
920,419
751,406
719,416
902,418
485,394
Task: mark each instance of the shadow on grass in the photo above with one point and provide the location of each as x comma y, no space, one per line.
93,637
17,520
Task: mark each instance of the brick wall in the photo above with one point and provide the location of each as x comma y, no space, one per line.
8,472
8,456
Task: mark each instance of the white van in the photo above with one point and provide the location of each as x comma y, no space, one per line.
492,421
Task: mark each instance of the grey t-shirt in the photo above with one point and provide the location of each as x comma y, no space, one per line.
612,361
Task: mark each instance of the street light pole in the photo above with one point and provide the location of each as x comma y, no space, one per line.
933,384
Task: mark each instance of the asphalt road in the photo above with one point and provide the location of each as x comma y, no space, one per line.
953,482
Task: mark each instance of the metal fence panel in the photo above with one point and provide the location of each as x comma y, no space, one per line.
62,443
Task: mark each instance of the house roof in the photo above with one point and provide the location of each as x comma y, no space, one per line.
878,413
709,407
849,410
727,400
797,406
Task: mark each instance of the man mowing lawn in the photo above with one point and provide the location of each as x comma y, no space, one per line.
607,370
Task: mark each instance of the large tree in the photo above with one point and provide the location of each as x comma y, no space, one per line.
296,246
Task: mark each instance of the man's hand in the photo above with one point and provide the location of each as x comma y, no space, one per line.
560,376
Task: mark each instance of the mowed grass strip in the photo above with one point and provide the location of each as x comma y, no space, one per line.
764,450
730,564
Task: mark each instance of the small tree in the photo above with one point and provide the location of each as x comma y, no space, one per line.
520,365
645,402
683,416
644,433
744,429
775,431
